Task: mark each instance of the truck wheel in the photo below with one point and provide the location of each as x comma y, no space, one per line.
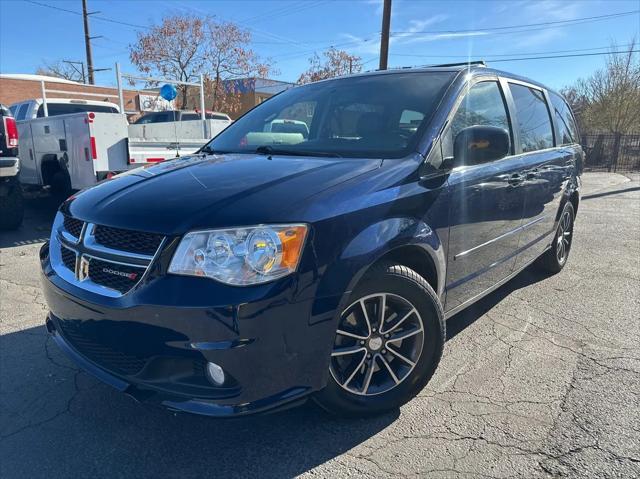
387,346
60,185
11,208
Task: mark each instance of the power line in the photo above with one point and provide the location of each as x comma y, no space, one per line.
284,11
564,56
561,56
104,19
497,30
509,27
146,27
478,55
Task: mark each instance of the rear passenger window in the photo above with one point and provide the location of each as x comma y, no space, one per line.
566,125
22,112
534,122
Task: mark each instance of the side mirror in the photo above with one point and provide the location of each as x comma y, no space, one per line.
480,144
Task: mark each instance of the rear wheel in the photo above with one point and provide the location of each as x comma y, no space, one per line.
11,207
556,257
60,185
388,343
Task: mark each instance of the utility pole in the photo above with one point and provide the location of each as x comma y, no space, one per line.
87,42
384,37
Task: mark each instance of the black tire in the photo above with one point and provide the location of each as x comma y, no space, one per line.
11,208
402,283
60,185
555,258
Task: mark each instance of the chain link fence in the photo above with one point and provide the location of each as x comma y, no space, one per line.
612,152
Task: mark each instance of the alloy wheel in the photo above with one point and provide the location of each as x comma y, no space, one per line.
378,343
563,239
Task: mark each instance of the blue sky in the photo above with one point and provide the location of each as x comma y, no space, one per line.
289,31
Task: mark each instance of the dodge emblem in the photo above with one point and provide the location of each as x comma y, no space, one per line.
83,268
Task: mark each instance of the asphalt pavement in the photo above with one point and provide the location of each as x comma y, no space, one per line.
539,379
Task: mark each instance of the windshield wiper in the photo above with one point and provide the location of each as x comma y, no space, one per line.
270,150
207,150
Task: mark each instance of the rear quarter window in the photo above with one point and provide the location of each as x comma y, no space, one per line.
566,127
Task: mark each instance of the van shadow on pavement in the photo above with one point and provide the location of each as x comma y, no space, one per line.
56,421
59,422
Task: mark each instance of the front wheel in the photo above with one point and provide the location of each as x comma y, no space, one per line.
387,346
554,259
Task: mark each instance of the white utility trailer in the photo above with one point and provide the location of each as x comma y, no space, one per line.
73,151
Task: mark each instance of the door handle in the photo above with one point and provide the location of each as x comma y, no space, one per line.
515,179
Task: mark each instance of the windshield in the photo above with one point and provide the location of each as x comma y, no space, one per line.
373,116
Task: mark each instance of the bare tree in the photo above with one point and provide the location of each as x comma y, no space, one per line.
609,99
62,69
184,46
336,63
232,65
174,49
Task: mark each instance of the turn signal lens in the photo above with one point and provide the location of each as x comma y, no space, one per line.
292,240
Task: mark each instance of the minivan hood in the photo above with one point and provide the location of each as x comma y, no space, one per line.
212,191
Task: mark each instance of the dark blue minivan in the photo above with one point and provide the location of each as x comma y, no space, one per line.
316,247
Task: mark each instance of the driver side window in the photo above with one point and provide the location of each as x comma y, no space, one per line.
482,105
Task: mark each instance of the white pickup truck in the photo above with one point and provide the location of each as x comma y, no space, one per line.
72,144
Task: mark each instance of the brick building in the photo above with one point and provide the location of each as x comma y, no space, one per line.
19,87
253,91
248,91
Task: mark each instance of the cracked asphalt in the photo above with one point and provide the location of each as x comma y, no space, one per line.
539,379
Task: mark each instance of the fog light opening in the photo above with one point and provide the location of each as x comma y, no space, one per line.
215,374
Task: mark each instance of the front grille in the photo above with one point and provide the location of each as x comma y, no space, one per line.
73,226
127,240
101,258
114,275
100,354
68,258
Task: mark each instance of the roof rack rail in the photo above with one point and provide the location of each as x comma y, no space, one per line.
461,64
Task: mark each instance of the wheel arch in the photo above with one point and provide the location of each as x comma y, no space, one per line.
407,241
415,258
50,165
571,194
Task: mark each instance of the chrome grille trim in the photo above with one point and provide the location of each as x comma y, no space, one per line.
91,243
88,250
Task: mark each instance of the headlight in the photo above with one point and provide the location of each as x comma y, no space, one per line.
240,256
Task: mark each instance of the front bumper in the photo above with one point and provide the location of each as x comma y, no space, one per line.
154,342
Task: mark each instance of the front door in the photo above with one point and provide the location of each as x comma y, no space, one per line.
486,203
